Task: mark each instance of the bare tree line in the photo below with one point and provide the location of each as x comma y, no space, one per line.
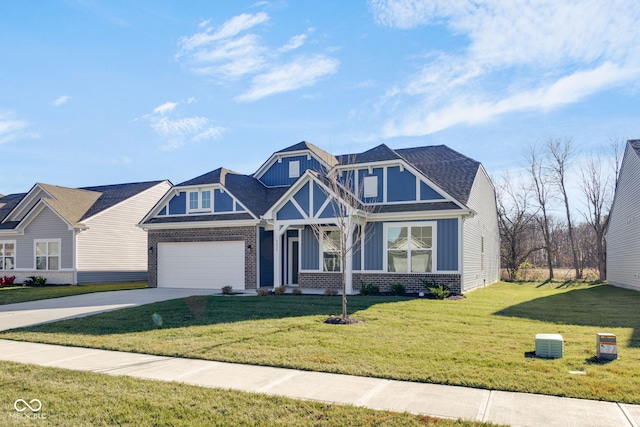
538,224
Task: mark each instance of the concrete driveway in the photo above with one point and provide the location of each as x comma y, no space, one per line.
51,310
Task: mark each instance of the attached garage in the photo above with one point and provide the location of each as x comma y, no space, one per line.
202,265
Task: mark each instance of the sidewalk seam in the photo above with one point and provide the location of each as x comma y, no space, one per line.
628,416
483,411
79,356
272,384
369,395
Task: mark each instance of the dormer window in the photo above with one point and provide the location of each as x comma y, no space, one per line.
294,169
200,200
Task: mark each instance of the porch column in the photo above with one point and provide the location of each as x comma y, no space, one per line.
348,268
278,231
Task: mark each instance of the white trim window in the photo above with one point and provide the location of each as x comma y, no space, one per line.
7,255
410,247
331,250
199,201
47,254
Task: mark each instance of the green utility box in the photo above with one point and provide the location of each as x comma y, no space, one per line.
606,346
550,346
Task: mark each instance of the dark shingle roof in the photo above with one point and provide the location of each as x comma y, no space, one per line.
380,153
328,158
635,144
8,202
249,190
450,170
114,194
190,218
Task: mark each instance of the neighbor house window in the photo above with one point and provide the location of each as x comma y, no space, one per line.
410,248
331,250
294,169
7,255
370,186
48,255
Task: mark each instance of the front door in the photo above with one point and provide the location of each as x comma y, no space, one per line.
293,261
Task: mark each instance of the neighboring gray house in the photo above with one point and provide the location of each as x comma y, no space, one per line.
77,235
433,216
623,232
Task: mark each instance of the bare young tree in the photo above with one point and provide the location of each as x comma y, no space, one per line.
598,188
344,233
516,223
541,182
561,153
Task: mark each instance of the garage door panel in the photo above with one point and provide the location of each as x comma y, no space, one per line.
207,265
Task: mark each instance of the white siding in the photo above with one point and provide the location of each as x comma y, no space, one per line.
113,242
483,226
623,235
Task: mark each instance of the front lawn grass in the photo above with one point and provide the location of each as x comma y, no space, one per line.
484,340
71,398
16,294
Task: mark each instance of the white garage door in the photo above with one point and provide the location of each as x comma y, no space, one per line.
203,265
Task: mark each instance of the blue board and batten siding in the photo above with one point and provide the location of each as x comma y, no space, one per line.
401,185
447,247
222,203
278,173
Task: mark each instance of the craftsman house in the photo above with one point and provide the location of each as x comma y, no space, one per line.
427,213
623,231
77,235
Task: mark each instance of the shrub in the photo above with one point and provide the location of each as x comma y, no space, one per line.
35,281
398,289
227,290
369,289
297,291
280,290
330,292
436,291
262,292
7,280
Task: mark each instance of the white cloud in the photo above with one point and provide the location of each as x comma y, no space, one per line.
177,130
165,108
61,100
12,128
521,55
294,43
231,53
294,75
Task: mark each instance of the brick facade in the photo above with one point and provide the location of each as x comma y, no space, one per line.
320,280
412,282
220,234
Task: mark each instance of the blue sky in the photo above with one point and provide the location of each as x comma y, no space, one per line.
99,92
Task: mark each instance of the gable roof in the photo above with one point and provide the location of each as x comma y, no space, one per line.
447,168
328,158
450,170
74,205
111,195
635,144
247,189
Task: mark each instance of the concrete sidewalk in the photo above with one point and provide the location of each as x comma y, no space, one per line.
515,409
51,310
